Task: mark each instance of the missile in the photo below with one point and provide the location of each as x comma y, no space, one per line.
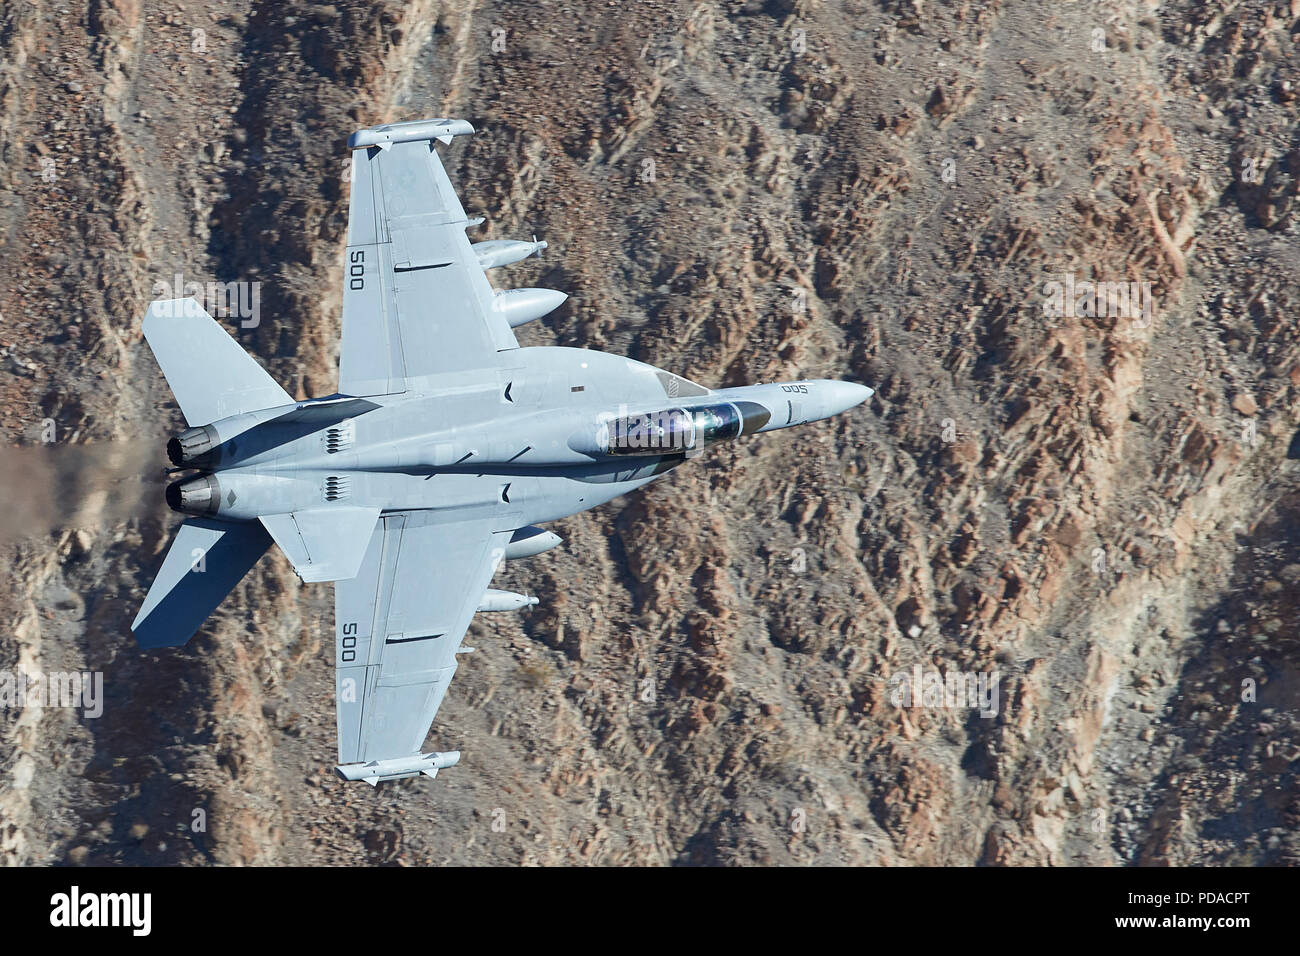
494,600
399,768
385,136
524,305
529,541
502,252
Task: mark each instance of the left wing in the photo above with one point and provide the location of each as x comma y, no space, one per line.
398,626
415,299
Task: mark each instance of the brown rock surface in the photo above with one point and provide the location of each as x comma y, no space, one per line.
1100,508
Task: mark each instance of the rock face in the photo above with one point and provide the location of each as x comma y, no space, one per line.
1092,498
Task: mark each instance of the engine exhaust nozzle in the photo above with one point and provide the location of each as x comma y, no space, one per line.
193,447
194,496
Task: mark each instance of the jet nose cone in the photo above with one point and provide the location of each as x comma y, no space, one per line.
841,396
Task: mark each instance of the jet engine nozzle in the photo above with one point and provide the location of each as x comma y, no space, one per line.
194,496
192,448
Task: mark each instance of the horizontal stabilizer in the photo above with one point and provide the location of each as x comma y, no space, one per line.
210,375
324,544
205,562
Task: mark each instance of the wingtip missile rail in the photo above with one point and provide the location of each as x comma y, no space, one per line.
399,768
386,135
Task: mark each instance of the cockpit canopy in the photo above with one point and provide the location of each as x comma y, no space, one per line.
672,431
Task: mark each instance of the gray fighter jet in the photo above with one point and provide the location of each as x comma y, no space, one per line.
445,448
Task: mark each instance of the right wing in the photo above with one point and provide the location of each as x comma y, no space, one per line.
398,625
415,299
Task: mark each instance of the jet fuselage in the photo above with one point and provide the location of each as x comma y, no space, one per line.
561,431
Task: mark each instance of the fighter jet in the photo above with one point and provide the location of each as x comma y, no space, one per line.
445,449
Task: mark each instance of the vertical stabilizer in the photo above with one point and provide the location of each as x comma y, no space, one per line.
210,375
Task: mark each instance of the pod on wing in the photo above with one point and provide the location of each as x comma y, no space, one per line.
529,541
494,600
524,305
501,252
